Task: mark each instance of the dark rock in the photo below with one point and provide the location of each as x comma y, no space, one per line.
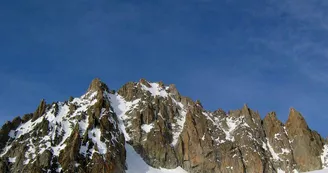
27,117
70,155
40,110
97,85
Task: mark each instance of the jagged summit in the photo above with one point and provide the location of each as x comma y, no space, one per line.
101,130
296,119
97,85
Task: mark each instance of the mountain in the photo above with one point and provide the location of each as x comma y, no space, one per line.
151,127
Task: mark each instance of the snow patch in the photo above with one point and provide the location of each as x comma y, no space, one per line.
136,164
232,125
273,153
155,89
121,107
324,157
95,135
178,126
12,159
285,151
147,127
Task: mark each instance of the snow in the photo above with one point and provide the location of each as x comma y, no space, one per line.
324,157
178,127
277,136
5,150
25,128
84,149
264,146
273,153
136,164
65,128
281,171
147,127
12,159
155,90
232,125
121,107
12,134
95,135
203,137
285,151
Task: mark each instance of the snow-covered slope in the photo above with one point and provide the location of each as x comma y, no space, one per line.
137,165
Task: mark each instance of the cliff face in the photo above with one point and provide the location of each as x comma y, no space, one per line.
168,130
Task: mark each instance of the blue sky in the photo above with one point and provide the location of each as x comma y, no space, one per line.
270,54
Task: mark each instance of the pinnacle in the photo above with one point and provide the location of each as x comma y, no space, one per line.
273,114
295,118
144,82
245,106
97,85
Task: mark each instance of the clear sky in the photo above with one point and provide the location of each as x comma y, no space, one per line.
270,54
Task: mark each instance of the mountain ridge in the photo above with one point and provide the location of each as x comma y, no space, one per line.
167,129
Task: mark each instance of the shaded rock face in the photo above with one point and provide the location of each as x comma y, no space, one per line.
278,140
88,135
306,144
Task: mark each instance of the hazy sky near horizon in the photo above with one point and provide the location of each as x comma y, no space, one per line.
270,54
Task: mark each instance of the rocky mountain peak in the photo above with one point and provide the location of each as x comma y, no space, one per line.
144,82
272,114
97,85
245,110
272,125
97,132
296,120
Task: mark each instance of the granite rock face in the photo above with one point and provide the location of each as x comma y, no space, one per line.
306,144
89,134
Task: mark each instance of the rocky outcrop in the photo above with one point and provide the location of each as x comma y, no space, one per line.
306,144
278,140
195,146
40,110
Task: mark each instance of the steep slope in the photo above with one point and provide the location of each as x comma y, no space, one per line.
150,127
